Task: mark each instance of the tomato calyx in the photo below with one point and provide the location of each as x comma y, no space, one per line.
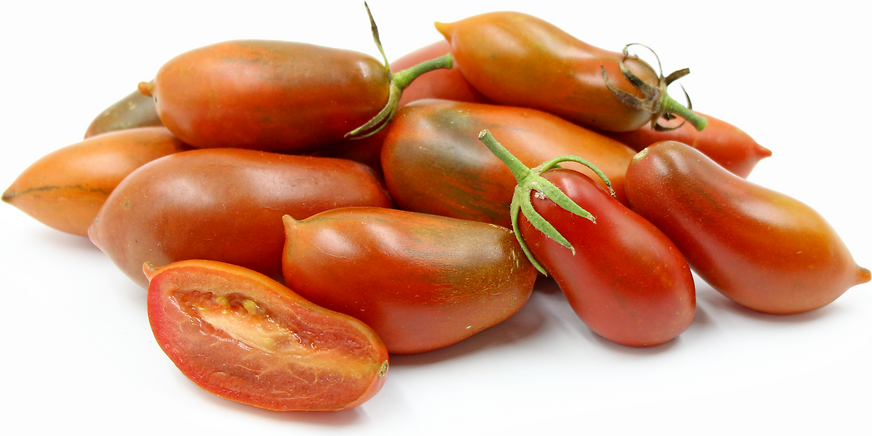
656,100
399,81
530,180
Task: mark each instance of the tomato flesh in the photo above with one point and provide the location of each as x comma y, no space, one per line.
245,337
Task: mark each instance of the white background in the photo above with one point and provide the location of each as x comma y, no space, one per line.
78,353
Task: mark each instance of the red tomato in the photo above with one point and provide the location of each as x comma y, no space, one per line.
434,163
245,337
622,276
225,205
268,95
520,60
762,249
723,142
422,282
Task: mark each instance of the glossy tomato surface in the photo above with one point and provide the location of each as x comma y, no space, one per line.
422,282
434,163
762,249
520,60
67,187
244,336
225,205
626,280
721,141
268,95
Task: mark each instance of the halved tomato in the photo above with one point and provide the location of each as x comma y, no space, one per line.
244,336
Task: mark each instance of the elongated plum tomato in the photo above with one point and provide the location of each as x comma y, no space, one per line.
225,205
721,141
67,187
268,95
276,95
434,163
245,337
762,249
622,276
422,282
519,60
132,111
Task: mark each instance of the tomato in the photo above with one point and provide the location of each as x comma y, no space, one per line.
433,162
422,282
723,142
278,95
134,110
245,337
66,188
622,276
448,84
223,204
762,249
268,95
520,60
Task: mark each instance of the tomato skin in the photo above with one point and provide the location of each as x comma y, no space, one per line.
422,282
225,205
268,95
442,83
245,337
721,141
434,163
760,248
627,281
134,110
67,187
520,60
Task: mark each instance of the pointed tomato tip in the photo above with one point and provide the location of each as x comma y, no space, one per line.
8,195
149,270
444,29
863,275
763,152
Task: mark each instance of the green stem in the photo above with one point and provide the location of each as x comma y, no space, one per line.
530,180
399,81
668,104
405,77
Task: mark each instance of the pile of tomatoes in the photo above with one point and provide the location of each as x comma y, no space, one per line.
295,229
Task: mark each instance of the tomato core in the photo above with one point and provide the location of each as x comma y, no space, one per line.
233,316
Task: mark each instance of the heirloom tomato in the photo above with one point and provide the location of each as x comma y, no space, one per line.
278,95
622,276
434,163
67,187
723,142
760,248
225,205
245,337
520,60
422,282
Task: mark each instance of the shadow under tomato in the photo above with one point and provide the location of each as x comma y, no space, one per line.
66,241
717,301
342,418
